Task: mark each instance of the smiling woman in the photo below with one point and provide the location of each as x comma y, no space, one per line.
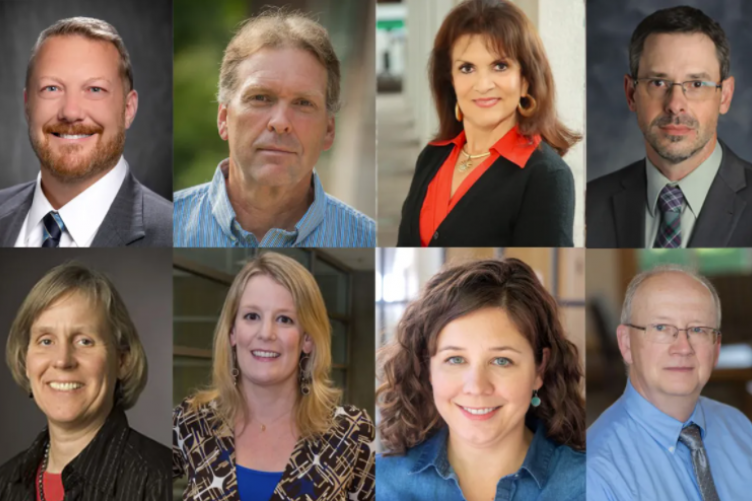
482,387
270,428
74,348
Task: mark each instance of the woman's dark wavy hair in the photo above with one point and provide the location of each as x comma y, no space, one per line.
405,397
512,34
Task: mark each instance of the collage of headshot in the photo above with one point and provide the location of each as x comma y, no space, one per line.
376,250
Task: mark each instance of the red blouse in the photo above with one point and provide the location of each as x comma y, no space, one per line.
439,201
53,486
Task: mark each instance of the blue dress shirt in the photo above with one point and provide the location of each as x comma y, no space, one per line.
550,472
634,452
254,485
203,217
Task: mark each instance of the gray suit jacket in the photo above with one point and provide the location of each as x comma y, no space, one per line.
615,208
138,217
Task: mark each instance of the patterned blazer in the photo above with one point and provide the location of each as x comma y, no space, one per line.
337,466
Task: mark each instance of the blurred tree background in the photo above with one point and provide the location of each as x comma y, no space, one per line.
203,30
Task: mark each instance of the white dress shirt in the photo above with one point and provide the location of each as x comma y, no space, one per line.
82,216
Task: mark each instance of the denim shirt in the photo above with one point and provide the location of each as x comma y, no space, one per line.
550,472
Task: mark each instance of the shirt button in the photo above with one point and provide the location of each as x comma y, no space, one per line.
671,449
436,236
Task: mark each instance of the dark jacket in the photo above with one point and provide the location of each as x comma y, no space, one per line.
119,464
506,207
616,204
138,217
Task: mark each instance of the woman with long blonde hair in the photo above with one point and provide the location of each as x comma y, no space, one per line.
269,427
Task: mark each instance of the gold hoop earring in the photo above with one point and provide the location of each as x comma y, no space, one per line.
528,110
458,112
235,372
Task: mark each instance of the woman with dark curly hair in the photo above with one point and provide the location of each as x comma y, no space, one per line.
481,396
493,176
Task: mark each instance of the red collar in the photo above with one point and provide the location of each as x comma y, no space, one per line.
513,146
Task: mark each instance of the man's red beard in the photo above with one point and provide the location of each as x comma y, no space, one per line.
68,163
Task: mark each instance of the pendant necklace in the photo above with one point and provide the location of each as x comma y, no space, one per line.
468,163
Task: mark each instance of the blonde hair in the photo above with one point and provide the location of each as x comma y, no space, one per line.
278,28
64,280
93,29
313,412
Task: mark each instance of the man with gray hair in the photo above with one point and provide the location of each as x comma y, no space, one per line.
661,439
79,100
278,94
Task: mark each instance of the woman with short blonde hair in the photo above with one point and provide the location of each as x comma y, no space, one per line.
74,348
271,411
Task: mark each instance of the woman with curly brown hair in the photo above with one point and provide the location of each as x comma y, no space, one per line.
493,176
481,396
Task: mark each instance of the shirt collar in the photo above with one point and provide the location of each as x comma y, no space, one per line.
81,221
225,214
433,453
694,186
662,427
513,146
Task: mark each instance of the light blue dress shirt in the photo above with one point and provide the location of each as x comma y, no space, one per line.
550,472
203,217
634,452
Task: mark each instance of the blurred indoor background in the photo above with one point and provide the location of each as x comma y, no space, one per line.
401,273
202,278
203,30
406,119
608,274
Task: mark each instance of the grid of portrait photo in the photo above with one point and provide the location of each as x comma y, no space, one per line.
376,250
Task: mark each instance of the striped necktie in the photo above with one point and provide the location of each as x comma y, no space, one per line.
670,202
53,229
690,436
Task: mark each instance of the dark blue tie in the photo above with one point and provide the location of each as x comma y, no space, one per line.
53,229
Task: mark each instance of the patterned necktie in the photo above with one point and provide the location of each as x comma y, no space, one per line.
53,229
670,202
690,436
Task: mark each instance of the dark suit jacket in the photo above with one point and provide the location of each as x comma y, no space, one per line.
506,207
138,217
615,207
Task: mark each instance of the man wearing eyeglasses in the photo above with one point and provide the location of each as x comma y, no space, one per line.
661,440
691,190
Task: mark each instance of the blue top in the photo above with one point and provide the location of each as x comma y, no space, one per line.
254,485
550,472
203,217
634,452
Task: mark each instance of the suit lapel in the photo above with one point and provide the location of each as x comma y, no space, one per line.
723,206
12,215
629,209
124,223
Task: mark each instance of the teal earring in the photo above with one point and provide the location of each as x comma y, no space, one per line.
535,401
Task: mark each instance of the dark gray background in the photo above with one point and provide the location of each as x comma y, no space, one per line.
146,28
143,277
613,138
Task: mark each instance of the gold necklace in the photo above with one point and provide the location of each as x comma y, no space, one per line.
468,164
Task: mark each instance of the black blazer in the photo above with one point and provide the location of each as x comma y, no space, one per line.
138,217
119,464
615,207
506,207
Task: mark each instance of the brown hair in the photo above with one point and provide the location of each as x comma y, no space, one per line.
279,28
682,19
511,33
93,29
71,278
405,397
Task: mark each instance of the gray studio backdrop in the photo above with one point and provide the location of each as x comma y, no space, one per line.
144,279
146,28
614,140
